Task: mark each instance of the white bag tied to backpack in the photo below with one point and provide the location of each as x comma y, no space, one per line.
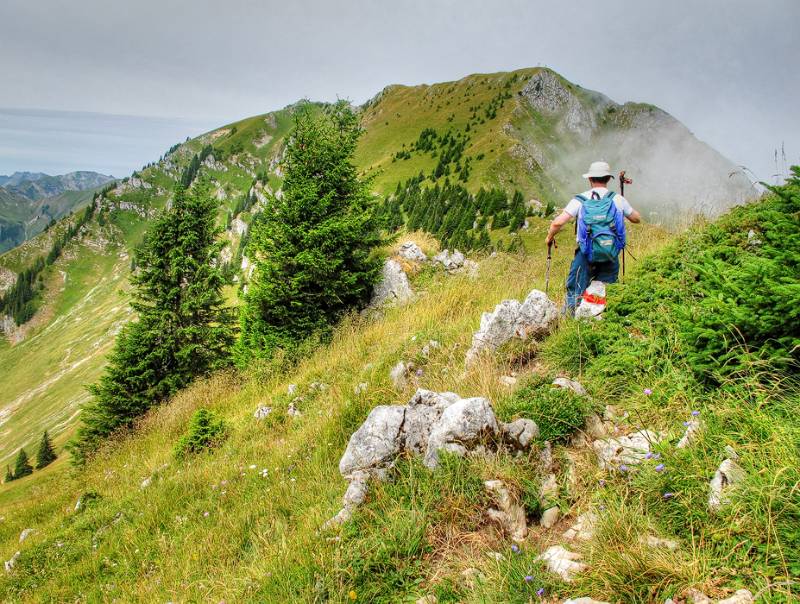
593,301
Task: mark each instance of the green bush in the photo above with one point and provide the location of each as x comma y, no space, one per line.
558,412
206,430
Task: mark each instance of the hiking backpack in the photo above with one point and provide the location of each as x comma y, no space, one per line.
601,227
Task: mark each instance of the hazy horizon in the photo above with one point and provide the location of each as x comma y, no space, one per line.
143,80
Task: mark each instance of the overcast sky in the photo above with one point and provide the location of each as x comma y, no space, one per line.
727,68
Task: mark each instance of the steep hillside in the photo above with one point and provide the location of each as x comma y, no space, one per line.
244,522
506,130
30,202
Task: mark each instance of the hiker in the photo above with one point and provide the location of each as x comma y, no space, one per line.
600,233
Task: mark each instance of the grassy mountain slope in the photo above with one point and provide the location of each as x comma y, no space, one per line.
219,527
520,125
257,528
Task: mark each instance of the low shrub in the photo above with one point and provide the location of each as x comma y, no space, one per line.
206,430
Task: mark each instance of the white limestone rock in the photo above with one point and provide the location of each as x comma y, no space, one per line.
625,450
393,287
519,433
583,529
726,477
569,384
550,517
461,426
562,562
412,252
374,446
742,596
692,429
262,412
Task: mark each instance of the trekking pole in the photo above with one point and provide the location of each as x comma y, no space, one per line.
622,182
549,259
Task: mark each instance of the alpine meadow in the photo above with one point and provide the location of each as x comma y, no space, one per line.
323,354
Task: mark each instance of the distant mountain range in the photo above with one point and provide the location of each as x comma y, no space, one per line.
29,201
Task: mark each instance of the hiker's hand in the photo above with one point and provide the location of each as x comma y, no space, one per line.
549,240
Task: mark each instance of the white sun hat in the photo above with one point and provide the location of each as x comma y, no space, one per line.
599,169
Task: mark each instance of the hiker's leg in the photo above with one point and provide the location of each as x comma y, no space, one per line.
607,272
577,281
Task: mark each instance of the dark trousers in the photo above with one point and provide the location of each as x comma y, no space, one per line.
582,272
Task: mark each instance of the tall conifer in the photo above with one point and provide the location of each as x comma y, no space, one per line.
314,249
46,454
22,467
183,328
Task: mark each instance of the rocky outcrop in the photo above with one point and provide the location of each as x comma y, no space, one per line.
547,94
456,262
431,422
393,288
536,316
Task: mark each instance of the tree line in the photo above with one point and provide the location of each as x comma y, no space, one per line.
45,455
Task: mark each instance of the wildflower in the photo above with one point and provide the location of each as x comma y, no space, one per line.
667,496
648,455
660,467
528,578
601,482
253,466
647,391
623,468
695,413
540,592
205,514
686,424
352,594
515,548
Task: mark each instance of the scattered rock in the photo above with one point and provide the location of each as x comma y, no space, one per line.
510,515
625,450
550,517
535,316
727,476
422,412
262,412
461,426
429,599
658,543
742,596
451,262
293,411
361,388
497,556
318,386
146,482
519,433
393,288
25,534
569,384
411,251
692,428
375,445
752,238
593,302
562,562
9,564
291,389
731,453
546,456
583,529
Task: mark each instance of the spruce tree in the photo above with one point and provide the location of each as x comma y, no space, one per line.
183,329
46,454
9,475
314,251
22,467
